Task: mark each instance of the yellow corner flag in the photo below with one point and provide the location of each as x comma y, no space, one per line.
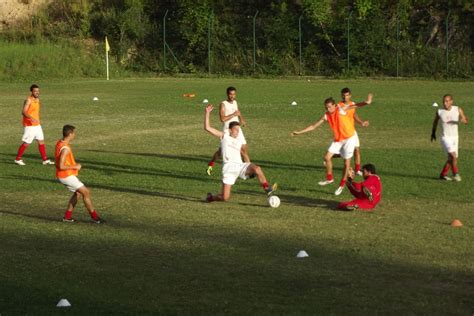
107,47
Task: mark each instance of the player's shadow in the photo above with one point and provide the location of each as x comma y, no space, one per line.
114,188
43,218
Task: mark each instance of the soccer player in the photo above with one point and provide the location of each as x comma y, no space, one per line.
233,167
67,170
346,100
32,127
344,137
367,193
229,112
449,115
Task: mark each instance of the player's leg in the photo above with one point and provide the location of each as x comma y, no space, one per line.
86,197
254,169
27,139
345,173
454,164
70,207
347,152
42,150
357,161
328,163
245,153
447,144
223,196
211,163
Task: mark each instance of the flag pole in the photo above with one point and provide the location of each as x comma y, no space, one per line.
107,48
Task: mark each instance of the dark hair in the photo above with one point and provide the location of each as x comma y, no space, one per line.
68,130
33,86
370,168
447,95
345,90
229,89
232,124
329,100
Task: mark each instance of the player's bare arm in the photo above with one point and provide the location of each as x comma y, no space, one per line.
26,106
435,125
360,104
225,118
462,116
207,125
243,122
360,122
310,128
62,160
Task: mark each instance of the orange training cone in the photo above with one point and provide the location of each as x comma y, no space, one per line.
456,223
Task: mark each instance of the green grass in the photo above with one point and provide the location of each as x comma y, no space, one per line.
163,250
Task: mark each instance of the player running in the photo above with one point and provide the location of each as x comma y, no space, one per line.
32,127
67,170
233,167
367,193
229,112
449,116
346,96
344,137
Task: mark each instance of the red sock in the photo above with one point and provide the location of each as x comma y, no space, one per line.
265,185
94,215
455,170
445,169
42,150
343,182
357,167
68,214
211,163
329,177
21,150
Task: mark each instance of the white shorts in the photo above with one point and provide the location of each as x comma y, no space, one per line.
345,148
231,171
334,149
241,136
72,183
31,133
450,144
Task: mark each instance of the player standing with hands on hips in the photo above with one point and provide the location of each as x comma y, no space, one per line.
450,116
32,127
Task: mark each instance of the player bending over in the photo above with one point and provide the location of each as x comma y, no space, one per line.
367,193
344,137
67,170
449,116
233,167
229,112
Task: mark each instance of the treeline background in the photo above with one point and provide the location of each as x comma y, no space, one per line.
406,38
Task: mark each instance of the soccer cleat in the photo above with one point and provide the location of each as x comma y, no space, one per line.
209,170
98,221
20,162
47,162
325,182
457,177
352,207
339,191
445,178
271,189
359,173
68,220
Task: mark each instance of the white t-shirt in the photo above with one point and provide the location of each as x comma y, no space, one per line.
229,108
449,121
230,147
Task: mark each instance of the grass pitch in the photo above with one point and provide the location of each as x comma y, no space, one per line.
144,153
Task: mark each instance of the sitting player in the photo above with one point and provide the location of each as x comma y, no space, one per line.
367,193
234,167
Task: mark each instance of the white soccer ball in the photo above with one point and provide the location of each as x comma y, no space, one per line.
274,201
95,99
435,104
294,103
205,101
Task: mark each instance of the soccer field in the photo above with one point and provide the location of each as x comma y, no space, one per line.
164,250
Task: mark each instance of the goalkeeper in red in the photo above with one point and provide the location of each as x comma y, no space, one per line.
367,193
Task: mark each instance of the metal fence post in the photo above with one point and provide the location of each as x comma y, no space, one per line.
398,41
164,41
447,42
209,26
348,40
254,45
299,34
